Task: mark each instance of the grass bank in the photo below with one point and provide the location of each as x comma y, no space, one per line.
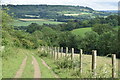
103,70
11,61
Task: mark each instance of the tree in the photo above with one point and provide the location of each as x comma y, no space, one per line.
67,39
101,28
107,43
89,42
33,27
38,35
50,36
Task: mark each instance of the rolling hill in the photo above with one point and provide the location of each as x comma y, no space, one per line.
53,12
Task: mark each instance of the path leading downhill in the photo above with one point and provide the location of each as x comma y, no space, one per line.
37,73
45,64
20,71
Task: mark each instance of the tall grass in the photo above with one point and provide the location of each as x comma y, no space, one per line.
65,69
11,60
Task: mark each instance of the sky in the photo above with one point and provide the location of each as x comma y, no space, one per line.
94,4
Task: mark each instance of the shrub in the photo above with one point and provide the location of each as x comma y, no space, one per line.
64,63
17,42
8,52
42,53
27,43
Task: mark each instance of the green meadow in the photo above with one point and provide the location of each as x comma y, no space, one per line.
81,31
26,22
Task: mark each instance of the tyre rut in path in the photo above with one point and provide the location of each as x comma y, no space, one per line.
37,73
44,63
21,69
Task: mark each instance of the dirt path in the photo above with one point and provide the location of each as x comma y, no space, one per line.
44,63
20,71
37,73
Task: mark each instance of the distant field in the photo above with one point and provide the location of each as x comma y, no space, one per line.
71,14
81,31
26,22
77,14
34,19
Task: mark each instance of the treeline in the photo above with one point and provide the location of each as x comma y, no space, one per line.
74,24
52,12
44,11
103,37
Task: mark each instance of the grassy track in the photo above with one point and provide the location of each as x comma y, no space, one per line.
81,31
29,71
12,64
45,72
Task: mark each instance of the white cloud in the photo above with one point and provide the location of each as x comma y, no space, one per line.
95,4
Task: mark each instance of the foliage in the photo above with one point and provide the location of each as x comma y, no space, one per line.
63,63
67,39
46,11
33,27
6,19
102,36
89,42
107,43
101,28
51,36
42,53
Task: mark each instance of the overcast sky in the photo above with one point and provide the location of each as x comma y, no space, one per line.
95,4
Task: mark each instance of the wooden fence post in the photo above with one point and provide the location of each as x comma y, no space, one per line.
58,52
48,50
72,54
55,54
113,65
72,58
94,54
81,52
66,52
44,49
61,52
52,52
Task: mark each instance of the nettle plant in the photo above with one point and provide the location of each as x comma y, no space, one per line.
104,71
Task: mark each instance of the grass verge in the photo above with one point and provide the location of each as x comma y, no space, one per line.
103,68
11,64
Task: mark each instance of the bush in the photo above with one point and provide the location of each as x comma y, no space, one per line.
8,52
64,63
27,44
42,54
17,42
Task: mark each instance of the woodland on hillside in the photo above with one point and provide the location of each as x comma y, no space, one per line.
103,37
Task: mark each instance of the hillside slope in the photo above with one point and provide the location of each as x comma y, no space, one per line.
53,11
